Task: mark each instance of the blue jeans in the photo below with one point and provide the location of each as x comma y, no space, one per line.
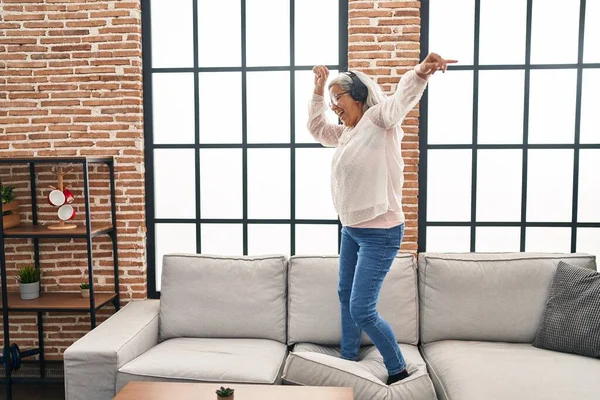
366,256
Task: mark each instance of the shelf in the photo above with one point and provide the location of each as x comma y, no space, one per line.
41,231
57,301
53,301
52,160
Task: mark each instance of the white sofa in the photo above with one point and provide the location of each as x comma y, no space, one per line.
465,323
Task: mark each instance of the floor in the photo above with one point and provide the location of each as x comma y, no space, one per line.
54,389
22,391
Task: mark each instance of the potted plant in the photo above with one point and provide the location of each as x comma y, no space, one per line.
225,393
10,207
85,289
29,282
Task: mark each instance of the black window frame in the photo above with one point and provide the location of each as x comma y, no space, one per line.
149,146
576,146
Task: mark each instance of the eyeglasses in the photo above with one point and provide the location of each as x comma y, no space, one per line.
336,98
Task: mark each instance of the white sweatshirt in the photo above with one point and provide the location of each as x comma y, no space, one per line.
367,167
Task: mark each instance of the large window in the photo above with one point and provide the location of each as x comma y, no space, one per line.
230,166
510,136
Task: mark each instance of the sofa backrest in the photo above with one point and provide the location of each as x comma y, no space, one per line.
485,296
223,297
314,307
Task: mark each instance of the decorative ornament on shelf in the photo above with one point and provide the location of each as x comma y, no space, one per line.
62,198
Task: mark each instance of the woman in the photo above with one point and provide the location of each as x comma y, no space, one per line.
366,184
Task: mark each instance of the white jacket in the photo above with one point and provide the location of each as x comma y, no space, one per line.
367,167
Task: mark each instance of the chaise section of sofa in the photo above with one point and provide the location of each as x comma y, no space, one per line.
219,319
480,314
314,331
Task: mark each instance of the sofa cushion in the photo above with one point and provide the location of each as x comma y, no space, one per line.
485,296
571,320
314,306
223,297
208,360
315,365
463,370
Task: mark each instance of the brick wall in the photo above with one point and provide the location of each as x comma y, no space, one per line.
384,43
71,85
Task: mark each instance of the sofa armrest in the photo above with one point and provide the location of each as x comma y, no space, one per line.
92,362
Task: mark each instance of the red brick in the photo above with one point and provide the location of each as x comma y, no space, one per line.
25,32
45,24
87,24
89,6
64,16
45,8
399,21
68,32
24,17
77,47
369,14
17,40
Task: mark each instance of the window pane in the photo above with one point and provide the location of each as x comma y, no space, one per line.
554,32
268,239
500,119
588,208
221,183
590,104
497,239
304,90
313,184
312,27
268,95
173,108
552,106
220,107
449,185
450,119
453,239
497,44
222,239
269,183
549,185
173,238
317,239
591,42
452,29
499,176
548,240
222,18
588,241
174,183
268,21
172,33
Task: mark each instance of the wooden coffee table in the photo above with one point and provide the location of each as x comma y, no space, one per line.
206,391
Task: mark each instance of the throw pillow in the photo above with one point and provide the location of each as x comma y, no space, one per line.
571,319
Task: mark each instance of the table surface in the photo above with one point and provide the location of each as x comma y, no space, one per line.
200,391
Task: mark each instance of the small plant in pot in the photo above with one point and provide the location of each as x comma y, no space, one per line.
29,282
85,289
225,393
7,194
10,207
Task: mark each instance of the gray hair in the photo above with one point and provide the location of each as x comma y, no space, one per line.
345,83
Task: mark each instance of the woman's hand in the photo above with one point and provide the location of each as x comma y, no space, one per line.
433,62
321,74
